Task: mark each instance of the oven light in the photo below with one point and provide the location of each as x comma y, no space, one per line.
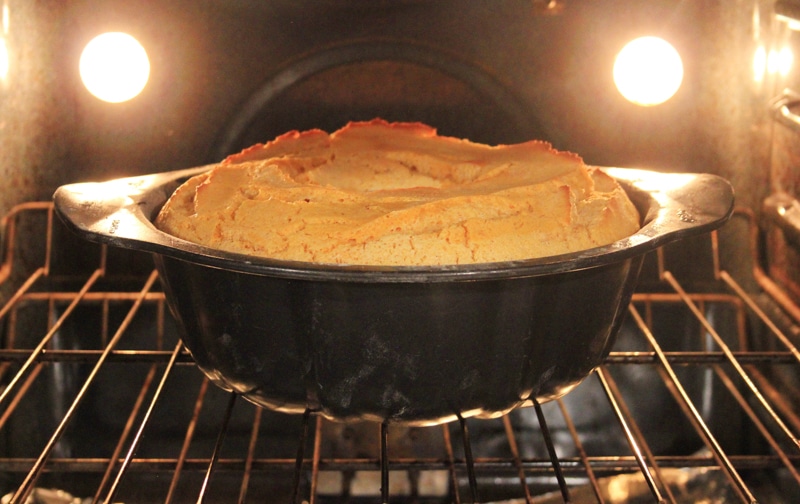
759,64
114,67
780,61
774,62
785,61
648,71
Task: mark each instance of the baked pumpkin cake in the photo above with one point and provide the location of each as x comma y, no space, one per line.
379,193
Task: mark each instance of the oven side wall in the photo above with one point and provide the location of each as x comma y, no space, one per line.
33,148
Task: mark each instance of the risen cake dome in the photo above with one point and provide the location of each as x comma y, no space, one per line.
378,193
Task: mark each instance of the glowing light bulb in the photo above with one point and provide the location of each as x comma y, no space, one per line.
785,61
773,61
648,71
759,63
114,67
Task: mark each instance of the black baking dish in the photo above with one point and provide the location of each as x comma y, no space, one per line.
418,345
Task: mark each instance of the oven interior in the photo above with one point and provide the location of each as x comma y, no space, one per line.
99,402
697,398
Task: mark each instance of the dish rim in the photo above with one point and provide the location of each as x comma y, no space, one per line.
119,212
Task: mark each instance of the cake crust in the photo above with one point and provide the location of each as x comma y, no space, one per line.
378,193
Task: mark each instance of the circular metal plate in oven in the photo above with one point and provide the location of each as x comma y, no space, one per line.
393,81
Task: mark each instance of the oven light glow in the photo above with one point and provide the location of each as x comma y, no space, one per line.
759,64
780,61
114,67
648,71
785,61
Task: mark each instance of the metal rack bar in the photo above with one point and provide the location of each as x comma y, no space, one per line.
8,234
140,399
20,394
583,465
613,358
39,272
732,360
138,437
699,357
112,462
614,399
779,335
315,460
251,449
570,465
384,458
32,356
217,448
451,465
298,465
778,399
23,289
551,450
33,475
693,415
581,452
512,444
89,297
470,461
89,356
762,429
761,277
187,440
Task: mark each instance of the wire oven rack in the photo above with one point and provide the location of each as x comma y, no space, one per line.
99,398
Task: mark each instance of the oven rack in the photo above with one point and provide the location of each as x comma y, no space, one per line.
224,446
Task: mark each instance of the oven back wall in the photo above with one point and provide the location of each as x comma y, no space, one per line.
228,73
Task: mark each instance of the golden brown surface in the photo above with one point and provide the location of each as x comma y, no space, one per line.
375,193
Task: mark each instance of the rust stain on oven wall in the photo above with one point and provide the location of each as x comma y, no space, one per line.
32,146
